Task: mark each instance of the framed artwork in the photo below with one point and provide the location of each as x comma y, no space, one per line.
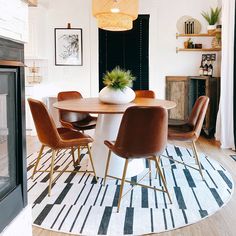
68,47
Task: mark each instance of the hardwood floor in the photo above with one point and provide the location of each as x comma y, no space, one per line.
223,223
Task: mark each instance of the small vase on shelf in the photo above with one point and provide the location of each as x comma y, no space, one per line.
211,29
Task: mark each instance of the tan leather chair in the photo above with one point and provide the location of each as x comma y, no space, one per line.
145,94
74,120
191,129
134,140
55,138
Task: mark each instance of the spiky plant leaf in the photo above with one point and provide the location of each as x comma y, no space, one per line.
118,78
212,17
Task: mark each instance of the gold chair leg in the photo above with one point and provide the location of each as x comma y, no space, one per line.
150,169
37,162
157,160
51,172
73,156
107,167
122,183
91,160
163,179
79,159
197,158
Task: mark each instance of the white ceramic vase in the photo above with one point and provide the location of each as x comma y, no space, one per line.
117,96
211,29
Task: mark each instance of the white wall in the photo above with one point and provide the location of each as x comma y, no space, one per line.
14,20
163,58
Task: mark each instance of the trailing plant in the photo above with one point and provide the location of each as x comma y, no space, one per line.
118,78
212,17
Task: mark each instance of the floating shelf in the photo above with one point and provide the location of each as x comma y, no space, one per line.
197,49
194,35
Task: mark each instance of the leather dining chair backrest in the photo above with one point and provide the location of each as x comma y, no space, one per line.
198,114
45,126
142,132
145,94
68,116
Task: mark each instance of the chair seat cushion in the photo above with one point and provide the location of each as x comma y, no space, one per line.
88,123
182,132
71,138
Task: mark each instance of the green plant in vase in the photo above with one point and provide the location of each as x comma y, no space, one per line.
117,90
118,78
212,18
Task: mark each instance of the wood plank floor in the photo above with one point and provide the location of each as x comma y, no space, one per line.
223,223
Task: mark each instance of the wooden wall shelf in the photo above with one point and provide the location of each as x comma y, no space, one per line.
194,35
198,50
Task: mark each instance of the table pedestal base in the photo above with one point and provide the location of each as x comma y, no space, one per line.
106,129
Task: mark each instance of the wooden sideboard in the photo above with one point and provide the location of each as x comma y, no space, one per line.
184,90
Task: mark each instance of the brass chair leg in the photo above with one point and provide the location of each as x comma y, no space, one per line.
163,179
79,159
157,160
73,156
107,167
150,169
37,162
91,160
122,184
51,172
197,158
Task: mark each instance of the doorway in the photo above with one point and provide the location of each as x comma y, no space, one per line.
128,50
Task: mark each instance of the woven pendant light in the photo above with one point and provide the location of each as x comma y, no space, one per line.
115,15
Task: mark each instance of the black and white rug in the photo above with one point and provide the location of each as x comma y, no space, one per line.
79,206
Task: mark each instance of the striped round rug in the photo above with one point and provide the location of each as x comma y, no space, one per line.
78,205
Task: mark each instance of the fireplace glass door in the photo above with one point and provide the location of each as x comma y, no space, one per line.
8,131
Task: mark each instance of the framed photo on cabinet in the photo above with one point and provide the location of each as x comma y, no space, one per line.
68,47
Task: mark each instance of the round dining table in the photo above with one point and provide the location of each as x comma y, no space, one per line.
107,127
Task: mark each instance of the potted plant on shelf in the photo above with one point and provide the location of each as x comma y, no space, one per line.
212,18
117,90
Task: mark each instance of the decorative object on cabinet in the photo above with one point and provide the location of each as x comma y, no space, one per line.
184,90
117,90
34,77
188,25
68,47
212,18
115,15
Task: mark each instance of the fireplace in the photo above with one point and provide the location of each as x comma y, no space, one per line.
13,191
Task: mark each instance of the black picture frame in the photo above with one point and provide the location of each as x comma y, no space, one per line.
68,46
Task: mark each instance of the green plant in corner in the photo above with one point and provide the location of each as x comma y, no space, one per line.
212,17
118,78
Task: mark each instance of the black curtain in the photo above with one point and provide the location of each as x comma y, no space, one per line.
235,82
127,49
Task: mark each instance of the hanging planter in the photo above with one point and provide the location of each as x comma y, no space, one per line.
117,90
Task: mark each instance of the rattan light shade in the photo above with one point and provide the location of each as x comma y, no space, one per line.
121,20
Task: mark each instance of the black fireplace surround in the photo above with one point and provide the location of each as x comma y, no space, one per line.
13,185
